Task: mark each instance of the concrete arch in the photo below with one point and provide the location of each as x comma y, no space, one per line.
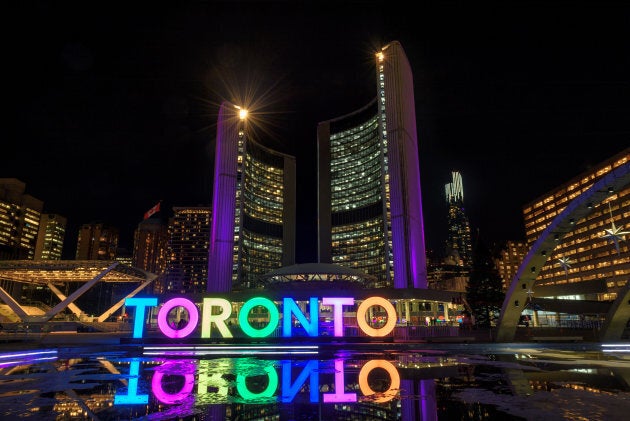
617,316
579,208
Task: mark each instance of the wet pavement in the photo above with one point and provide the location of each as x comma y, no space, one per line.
96,377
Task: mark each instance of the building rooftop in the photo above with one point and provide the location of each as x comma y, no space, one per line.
60,271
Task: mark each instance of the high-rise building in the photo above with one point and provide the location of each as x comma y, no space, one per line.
586,258
187,268
52,232
253,206
19,220
369,199
150,246
97,241
510,257
458,240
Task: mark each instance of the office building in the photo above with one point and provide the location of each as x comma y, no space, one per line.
20,214
369,200
150,246
510,257
187,268
97,241
458,240
52,232
586,264
253,206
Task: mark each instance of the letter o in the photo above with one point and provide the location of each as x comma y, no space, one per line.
193,313
394,376
391,316
186,369
274,317
272,386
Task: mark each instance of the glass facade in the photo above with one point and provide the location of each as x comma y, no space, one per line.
258,236
262,189
253,225
369,201
356,183
355,167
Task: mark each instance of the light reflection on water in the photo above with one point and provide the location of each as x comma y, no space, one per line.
490,382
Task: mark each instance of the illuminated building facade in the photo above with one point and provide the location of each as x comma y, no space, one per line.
369,201
585,263
187,269
52,231
253,207
19,220
97,241
458,241
511,256
150,245
124,256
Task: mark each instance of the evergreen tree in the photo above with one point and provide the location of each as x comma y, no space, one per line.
484,292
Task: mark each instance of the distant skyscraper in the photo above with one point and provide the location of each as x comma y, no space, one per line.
187,269
19,220
150,246
97,241
458,242
253,206
369,200
52,232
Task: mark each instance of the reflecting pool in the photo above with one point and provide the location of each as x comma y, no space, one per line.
315,382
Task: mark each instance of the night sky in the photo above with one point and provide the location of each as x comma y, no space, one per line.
112,106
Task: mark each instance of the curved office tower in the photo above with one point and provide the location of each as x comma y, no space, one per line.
369,201
253,207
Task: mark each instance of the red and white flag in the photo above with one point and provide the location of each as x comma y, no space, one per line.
154,209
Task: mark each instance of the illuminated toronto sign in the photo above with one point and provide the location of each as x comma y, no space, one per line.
282,382
216,311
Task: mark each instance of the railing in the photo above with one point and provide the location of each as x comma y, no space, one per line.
574,332
423,332
573,324
400,333
13,328
109,327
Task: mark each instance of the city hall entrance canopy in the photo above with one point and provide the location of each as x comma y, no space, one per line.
316,274
55,274
303,280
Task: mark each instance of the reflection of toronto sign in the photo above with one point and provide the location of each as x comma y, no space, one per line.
213,382
216,311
